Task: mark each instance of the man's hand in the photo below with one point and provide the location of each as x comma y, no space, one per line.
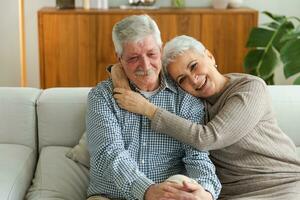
158,191
188,191
119,77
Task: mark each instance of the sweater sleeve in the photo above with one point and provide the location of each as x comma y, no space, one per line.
241,112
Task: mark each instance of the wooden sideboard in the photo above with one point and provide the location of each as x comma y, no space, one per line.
76,46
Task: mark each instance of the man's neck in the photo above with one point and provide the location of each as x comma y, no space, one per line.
149,87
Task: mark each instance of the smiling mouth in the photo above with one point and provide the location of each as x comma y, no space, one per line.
203,85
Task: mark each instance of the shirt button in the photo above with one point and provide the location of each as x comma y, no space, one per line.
142,161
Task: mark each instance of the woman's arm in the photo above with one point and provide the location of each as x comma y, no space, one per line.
240,114
134,102
119,77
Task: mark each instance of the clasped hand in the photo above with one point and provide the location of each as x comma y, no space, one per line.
175,191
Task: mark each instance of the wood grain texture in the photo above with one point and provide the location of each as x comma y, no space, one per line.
76,45
226,37
69,50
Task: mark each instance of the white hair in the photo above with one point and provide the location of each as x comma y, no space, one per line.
178,46
133,29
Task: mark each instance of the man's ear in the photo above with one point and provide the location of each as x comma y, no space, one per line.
117,56
209,55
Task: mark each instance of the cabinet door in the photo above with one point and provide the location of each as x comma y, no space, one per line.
68,50
225,35
172,25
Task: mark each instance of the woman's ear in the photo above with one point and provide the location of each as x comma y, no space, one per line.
209,55
161,52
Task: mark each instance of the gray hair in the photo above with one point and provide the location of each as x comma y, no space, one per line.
133,29
178,46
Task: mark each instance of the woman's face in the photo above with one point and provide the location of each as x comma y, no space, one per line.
195,73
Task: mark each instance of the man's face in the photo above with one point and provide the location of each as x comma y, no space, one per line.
142,63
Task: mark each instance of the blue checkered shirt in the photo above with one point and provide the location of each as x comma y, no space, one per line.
127,156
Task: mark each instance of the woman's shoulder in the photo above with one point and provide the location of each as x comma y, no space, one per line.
240,79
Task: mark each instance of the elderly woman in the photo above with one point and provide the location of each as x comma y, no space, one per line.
254,158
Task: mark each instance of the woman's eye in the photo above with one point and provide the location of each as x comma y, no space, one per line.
180,81
193,66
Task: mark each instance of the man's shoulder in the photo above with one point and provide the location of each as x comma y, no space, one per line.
103,91
102,88
188,98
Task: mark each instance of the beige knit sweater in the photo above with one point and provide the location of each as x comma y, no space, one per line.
254,158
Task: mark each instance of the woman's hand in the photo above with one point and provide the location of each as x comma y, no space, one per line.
119,77
189,191
134,102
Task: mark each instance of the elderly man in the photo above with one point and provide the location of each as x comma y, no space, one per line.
128,159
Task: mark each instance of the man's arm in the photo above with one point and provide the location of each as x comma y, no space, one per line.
200,168
109,158
197,163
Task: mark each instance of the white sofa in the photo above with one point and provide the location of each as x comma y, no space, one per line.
18,136
59,116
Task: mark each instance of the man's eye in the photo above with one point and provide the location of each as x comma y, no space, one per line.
132,59
152,54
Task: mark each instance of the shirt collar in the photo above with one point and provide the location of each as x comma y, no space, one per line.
165,83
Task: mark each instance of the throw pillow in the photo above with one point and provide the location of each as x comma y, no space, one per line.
80,153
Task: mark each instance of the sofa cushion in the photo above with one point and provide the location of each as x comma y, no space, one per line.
18,116
16,167
61,116
286,104
58,177
80,153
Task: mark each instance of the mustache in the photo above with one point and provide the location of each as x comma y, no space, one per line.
141,72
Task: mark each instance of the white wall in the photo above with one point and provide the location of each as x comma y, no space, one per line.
9,48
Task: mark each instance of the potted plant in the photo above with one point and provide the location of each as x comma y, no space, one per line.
274,43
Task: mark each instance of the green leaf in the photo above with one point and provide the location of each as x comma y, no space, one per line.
268,63
278,37
291,68
294,34
270,80
283,30
290,51
260,37
278,18
297,81
296,18
252,59
272,25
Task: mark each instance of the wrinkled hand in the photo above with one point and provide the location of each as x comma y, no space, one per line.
189,191
134,102
157,191
119,77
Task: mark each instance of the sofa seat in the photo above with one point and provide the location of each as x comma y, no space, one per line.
58,177
16,166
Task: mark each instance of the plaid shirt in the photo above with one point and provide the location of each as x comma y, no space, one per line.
127,156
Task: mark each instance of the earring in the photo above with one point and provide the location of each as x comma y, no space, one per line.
216,66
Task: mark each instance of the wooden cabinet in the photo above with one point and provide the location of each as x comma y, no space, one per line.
76,45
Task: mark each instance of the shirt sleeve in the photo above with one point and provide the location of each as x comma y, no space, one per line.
109,158
240,114
200,168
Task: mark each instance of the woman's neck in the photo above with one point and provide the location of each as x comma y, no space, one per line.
223,80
